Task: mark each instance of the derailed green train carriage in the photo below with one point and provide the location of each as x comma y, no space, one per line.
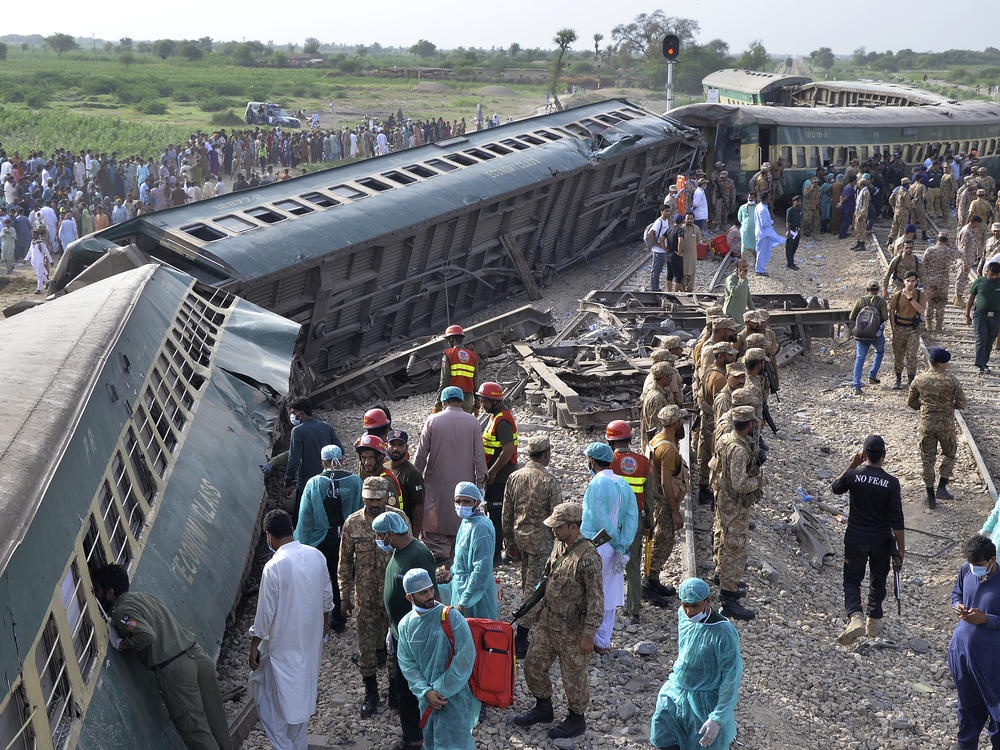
136,411
371,254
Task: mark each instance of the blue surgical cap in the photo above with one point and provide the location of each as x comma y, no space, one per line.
468,489
452,391
416,579
389,522
331,453
693,590
600,452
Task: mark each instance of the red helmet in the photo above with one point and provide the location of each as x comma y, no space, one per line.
375,418
371,442
490,390
453,331
618,430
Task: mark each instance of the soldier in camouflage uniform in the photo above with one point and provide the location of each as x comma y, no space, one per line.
811,198
966,194
671,479
899,266
713,380
984,210
571,611
675,388
739,484
862,201
986,183
653,400
938,260
902,204
362,567
971,250
736,376
991,248
723,200
937,394
905,309
948,190
531,494
918,196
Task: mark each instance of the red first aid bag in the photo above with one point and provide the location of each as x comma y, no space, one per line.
720,246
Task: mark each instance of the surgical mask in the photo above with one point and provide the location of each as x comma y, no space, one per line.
295,420
980,570
421,610
591,472
384,546
700,617
270,547
464,511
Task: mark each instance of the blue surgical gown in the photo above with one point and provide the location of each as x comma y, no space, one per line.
604,491
422,654
704,684
974,655
313,524
473,583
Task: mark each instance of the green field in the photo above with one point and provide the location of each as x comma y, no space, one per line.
83,100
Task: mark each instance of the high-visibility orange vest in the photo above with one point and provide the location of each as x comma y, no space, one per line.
463,367
490,443
634,469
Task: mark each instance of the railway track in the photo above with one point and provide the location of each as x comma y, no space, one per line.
978,421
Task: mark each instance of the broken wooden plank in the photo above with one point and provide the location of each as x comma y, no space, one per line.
510,244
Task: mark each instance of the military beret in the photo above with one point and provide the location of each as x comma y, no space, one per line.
939,355
723,347
375,487
660,370
743,414
723,323
744,397
567,512
736,368
663,355
673,341
754,354
910,229
670,414
538,444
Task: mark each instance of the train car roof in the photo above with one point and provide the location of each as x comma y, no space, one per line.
750,81
969,113
912,93
52,355
255,253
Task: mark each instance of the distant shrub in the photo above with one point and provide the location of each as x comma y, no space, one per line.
214,104
35,99
152,107
227,118
348,66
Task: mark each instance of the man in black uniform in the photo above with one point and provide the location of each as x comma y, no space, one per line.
308,437
874,536
411,481
185,675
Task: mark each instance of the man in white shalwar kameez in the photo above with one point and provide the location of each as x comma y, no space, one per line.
295,597
38,254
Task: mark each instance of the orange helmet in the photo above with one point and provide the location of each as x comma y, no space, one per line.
375,418
371,442
490,390
453,331
618,430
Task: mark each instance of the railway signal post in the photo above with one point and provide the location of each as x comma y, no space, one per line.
671,46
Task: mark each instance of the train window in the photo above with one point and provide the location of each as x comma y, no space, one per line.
608,119
402,179
320,199
92,548
620,115
442,165
293,207
551,136
143,475
514,144
496,148
203,232
346,191
373,184
827,152
841,157
579,130
421,171
134,516
149,441
81,627
265,214
993,146
480,153
863,150
462,159
51,666
634,112
965,148
120,549
153,414
234,223
908,153
814,156
531,139
800,156
592,126
15,723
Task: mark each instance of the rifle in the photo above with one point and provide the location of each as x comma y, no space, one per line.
767,418
897,564
602,537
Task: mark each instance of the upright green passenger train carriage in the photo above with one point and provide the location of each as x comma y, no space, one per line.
136,411
743,137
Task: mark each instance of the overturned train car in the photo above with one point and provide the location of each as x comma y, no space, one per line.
370,254
135,414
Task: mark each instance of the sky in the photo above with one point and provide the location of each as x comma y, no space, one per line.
785,27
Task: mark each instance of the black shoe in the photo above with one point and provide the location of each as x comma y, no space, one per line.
923,235
572,726
794,267
521,642
931,502
942,490
732,608
741,586
705,495
898,385
371,697
910,377
542,712
857,390
763,273
653,584
874,380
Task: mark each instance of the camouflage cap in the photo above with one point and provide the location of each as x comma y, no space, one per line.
873,286
663,355
375,488
995,226
713,310
538,444
723,347
660,370
763,315
567,512
723,323
673,341
736,368
670,414
744,397
754,354
743,414
905,181
750,316
980,192
756,341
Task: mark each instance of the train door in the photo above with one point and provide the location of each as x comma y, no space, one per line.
765,141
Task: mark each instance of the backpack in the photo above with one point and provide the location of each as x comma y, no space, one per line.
492,680
645,235
868,322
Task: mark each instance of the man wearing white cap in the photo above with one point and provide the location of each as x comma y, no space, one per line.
609,503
